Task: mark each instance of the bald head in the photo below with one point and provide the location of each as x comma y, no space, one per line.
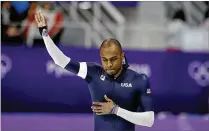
111,56
111,42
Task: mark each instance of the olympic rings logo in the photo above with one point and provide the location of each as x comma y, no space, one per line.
199,72
6,65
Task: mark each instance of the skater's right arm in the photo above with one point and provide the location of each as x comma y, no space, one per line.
78,68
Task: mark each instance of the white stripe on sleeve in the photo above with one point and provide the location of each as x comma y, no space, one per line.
56,54
138,118
82,70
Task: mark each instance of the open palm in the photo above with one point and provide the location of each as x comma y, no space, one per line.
40,19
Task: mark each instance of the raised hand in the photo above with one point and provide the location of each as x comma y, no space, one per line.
40,19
